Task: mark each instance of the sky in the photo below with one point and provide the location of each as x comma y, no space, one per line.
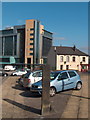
68,21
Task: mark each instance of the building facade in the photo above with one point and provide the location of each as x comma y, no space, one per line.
12,44
64,58
29,43
37,42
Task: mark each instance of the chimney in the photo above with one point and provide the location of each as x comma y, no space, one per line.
74,48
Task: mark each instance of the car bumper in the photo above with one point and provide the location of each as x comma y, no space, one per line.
35,90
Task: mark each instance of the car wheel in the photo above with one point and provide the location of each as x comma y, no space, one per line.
52,91
78,86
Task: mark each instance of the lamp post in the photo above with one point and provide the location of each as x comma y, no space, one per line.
55,56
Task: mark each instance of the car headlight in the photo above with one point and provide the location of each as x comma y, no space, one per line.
39,86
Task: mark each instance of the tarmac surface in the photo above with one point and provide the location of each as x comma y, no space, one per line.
17,102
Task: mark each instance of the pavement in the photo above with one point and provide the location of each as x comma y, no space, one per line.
19,103
77,106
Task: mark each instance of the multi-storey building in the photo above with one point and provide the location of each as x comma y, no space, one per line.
37,42
29,43
12,44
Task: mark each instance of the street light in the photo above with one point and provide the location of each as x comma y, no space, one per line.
55,56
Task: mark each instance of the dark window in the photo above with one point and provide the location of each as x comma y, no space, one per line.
72,74
8,45
31,48
61,67
73,59
31,34
44,60
83,59
31,43
67,67
31,38
47,43
31,28
63,76
31,53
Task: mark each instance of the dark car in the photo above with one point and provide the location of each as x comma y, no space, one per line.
2,73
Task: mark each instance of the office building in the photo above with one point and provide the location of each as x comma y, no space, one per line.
38,42
29,43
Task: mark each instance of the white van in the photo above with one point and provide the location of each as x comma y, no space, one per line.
9,67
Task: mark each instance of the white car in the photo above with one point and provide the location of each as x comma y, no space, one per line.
31,77
9,67
19,72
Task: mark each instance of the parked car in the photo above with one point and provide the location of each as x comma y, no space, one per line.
60,81
9,67
2,73
31,77
19,72
20,80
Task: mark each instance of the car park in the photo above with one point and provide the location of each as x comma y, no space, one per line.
19,72
2,73
31,77
63,80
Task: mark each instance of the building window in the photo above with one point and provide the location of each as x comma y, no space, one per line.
31,43
31,53
83,59
67,58
73,59
67,67
31,48
31,34
61,67
31,28
31,38
61,59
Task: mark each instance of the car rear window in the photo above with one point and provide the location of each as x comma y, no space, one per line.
72,74
27,75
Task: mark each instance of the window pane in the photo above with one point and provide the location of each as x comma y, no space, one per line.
64,75
61,59
72,74
67,59
73,59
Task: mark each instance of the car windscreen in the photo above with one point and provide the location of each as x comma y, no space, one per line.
53,75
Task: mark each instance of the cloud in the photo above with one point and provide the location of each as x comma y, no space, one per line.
59,38
20,21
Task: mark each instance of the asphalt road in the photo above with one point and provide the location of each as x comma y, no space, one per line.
17,102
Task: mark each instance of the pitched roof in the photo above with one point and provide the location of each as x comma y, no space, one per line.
62,50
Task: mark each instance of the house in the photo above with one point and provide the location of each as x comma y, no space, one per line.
63,58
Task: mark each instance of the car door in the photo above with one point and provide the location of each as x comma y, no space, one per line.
73,78
58,83
65,81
